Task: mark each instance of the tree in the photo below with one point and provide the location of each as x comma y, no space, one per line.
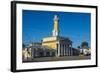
78,47
84,44
23,45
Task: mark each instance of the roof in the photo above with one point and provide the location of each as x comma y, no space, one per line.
55,38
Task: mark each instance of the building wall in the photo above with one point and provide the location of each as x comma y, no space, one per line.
51,44
49,39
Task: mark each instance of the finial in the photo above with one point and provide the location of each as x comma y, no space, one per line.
55,17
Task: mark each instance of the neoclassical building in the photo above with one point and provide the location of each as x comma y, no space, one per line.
54,45
62,45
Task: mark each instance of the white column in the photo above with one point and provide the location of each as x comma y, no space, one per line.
71,51
61,49
68,50
32,52
58,49
65,49
56,53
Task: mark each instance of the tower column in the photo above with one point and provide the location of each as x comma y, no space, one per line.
56,26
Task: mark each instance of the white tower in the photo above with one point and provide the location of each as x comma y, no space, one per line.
56,26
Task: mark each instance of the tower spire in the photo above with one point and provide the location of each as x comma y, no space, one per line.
56,26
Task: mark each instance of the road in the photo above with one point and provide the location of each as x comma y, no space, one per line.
44,59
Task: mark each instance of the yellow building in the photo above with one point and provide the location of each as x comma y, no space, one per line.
62,45
50,42
55,45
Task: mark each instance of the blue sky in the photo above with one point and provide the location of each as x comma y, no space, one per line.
39,24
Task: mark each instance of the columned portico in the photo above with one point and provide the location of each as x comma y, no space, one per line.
63,49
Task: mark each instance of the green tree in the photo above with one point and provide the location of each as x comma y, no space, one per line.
23,45
78,47
84,44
